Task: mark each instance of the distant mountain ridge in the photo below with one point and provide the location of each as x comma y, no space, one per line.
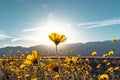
84,49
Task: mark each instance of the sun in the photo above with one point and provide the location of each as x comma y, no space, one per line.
55,26
39,35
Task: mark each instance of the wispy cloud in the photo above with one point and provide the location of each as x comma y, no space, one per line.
4,36
17,39
32,29
28,37
28,40
96,24
13,45
24,38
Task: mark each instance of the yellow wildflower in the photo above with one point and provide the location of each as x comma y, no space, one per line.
27,75
94,53
57,76
116,68
103,77
22,66
42,64
19,77
111,69
53,67
105,61
111,52
66,71
32,59
79,69
98,66
87,60
86,72
108,63
57,38
11,63
71,60
34,79
105,55
66,65
114,39
46,73
22,55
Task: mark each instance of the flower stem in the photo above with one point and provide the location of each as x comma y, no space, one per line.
58,62
56,53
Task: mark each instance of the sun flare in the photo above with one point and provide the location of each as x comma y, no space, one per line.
54,26
39,35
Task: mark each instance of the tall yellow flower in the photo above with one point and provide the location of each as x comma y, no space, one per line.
32,59
57,38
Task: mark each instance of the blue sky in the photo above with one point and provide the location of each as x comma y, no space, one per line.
29,22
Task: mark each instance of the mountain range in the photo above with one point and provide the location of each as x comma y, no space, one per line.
84,49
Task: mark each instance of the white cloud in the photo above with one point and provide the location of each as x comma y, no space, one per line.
6,45
103,23
4,36
16,44
16,39
32,29
25,38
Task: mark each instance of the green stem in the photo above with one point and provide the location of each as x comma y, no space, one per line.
58,62
56,52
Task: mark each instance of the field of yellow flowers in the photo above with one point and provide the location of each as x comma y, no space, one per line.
33,66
